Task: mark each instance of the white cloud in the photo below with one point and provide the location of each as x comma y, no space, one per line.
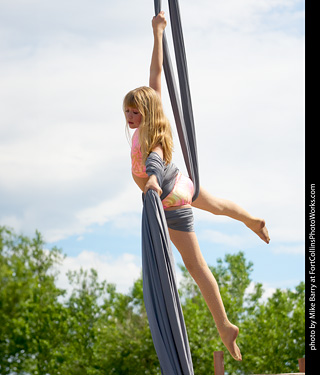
125,269
107,210
122,270
255,16
268,290
289,249
235,241
66,150
64,157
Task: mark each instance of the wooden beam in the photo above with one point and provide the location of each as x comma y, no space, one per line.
218,363
302,364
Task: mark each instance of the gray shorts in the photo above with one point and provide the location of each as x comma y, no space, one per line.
180,219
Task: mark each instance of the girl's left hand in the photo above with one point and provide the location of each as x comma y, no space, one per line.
152,184
159,22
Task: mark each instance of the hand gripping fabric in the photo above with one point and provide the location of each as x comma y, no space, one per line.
159,282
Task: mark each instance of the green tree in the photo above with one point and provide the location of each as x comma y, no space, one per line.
83,311
271,332
30,313
93,331
125,345
98,331
233,279
273,336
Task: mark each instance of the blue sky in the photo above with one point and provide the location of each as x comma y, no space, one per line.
64,157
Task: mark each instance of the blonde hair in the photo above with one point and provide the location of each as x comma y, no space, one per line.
154,128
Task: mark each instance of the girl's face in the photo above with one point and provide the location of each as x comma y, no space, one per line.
133,117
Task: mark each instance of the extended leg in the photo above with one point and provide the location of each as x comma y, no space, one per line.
219,206
187,244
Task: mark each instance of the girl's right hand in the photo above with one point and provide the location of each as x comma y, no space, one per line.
152,184
159,22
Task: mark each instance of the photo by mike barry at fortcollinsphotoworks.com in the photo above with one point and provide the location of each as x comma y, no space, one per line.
311,287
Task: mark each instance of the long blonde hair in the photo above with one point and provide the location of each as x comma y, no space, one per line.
154,128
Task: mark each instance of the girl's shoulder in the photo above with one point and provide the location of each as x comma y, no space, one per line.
135,137
135,143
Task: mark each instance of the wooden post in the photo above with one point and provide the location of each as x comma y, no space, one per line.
302,364
218,363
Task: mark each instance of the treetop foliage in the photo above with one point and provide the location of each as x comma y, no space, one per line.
98,331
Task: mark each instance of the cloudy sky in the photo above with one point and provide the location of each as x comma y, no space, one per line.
65,67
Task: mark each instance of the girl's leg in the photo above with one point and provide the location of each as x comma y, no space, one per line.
219,206
187,244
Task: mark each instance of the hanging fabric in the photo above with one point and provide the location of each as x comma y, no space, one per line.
181,105
159,280
160,291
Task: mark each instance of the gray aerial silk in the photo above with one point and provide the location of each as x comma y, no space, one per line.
159,281
160,291
182,110
166,174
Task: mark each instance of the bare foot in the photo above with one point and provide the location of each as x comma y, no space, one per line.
258,226
228,336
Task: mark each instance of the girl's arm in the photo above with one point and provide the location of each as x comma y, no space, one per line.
158,24
152,182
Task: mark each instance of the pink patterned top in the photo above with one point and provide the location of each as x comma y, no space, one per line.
182,192
138,168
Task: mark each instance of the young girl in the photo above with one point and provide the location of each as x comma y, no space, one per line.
152,145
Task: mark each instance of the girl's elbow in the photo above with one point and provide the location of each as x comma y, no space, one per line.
159,150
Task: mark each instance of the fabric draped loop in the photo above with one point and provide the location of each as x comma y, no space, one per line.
155,166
